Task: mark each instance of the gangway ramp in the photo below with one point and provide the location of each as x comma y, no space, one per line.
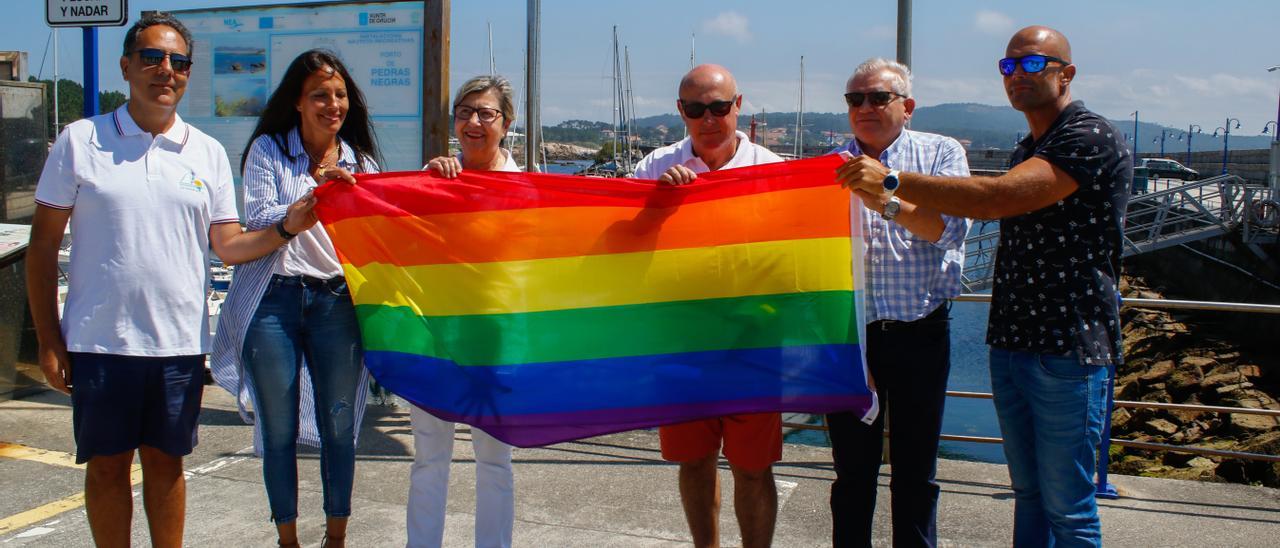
1177,214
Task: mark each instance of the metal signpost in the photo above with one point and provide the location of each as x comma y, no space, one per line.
89,15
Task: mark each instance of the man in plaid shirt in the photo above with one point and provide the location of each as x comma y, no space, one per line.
912,265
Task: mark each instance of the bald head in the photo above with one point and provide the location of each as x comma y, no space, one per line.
704,92
1045,92
1039,39
708,78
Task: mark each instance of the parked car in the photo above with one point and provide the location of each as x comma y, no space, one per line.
1164,168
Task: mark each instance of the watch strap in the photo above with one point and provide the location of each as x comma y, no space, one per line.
891,189
284,233
892,208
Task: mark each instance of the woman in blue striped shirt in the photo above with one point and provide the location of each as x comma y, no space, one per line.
288,336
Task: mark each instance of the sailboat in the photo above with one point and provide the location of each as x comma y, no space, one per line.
622,163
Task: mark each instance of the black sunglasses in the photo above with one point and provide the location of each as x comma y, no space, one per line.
718,108
878,98
1031,64
152,57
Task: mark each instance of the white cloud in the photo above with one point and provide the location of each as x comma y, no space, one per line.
1178,99
731,24
881,32
992,22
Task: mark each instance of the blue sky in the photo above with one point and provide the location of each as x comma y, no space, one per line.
1177,62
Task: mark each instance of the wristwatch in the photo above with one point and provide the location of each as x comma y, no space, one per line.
894,205
282,232
891,182
891,208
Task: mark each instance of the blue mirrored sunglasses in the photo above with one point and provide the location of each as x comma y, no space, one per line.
1031,64
152,57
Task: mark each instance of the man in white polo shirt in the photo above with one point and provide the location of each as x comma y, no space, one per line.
709,103
147,196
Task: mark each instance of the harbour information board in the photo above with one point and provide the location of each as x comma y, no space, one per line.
86,13
241,55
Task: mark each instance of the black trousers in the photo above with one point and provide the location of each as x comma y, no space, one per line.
910,362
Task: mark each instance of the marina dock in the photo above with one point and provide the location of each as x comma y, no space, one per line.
607,491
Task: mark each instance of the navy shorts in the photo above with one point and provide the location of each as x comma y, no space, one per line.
119,403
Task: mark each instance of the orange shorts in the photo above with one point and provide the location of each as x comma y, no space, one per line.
751,442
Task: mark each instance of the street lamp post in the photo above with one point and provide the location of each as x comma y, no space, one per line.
1226,140
1277,136
1135,135
1191,129
1164,133
1275,144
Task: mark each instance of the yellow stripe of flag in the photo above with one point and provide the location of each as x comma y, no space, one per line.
761,268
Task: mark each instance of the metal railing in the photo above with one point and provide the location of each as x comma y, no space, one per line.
1170,216
1171,304
1261,215
1179,214
1105,489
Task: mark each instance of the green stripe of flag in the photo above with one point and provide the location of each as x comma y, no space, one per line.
793,319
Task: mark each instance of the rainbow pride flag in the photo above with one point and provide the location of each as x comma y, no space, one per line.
547,308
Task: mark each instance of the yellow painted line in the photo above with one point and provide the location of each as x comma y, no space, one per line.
23,452
56,458
42,513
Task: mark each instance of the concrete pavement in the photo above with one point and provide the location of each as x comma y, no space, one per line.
607,491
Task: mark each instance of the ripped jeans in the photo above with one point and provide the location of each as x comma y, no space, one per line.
303,316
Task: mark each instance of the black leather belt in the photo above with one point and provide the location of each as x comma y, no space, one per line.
938,314
309,281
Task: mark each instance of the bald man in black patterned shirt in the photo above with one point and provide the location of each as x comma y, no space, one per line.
1055,321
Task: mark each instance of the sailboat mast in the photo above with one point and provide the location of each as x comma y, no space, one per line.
693,49
631,108
614,136
493,67
520,105
799,152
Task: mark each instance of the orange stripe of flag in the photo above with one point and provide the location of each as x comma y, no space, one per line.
522,234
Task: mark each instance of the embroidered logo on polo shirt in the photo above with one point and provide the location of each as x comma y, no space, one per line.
190,182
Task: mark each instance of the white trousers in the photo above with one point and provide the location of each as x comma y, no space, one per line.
429,484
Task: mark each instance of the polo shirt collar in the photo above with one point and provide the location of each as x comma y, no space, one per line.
346,155
687,155
178,133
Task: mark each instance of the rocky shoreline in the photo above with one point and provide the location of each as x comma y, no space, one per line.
1169,359
560,151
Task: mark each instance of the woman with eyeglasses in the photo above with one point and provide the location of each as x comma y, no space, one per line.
483,110
287,337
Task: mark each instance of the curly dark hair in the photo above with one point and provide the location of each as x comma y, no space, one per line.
279,116
151,19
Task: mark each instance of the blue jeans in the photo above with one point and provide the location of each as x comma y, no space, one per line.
305,317
1051,410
